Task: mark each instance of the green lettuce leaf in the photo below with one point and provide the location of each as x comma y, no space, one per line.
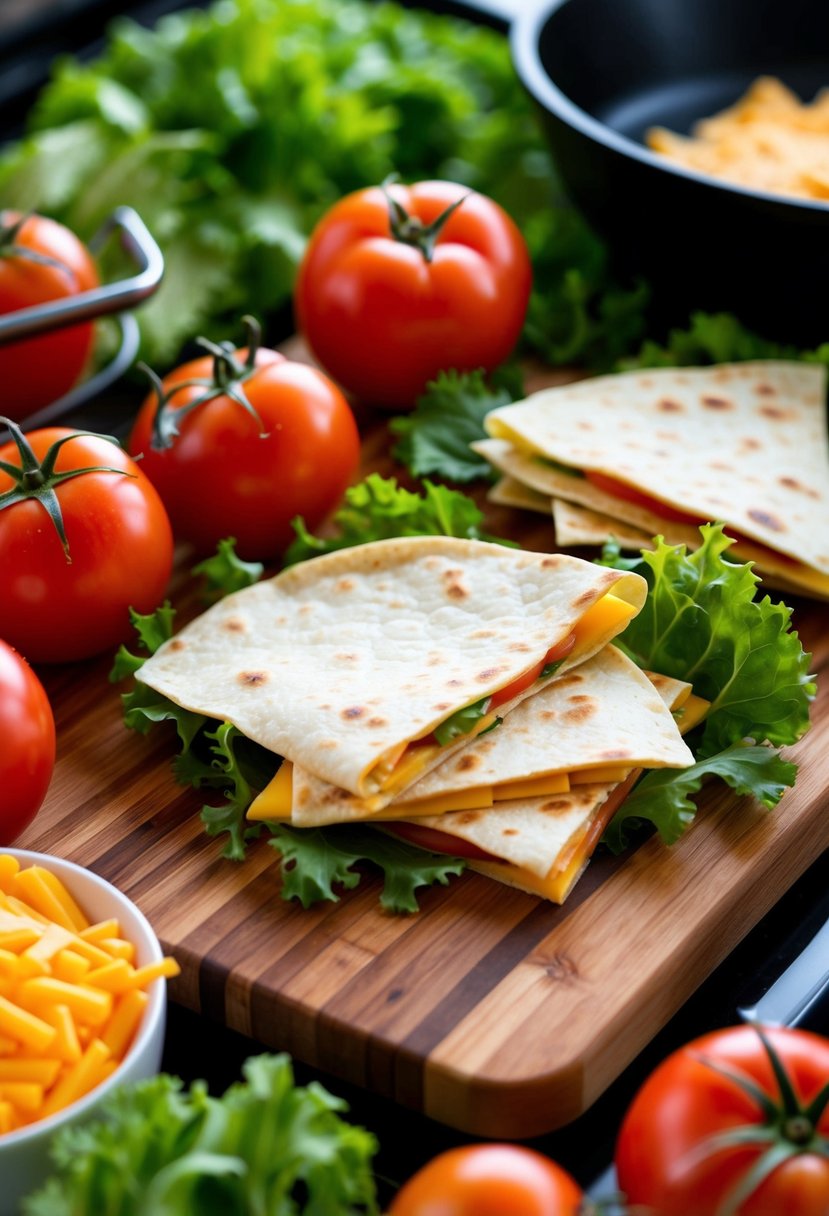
662,796
377,508
265,1146
435,437
224,571
461,722
702,623
315,860
715,338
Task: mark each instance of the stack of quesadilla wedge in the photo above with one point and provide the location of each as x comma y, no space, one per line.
661,451
428,681
527,803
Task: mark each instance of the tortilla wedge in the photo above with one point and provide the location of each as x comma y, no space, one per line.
342,664
595,723
542,844
742,443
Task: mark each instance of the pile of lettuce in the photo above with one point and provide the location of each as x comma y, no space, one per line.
702,622
265,1146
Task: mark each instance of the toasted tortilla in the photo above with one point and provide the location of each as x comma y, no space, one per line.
509,492
577,525
543,844
742,443
339,663
603,713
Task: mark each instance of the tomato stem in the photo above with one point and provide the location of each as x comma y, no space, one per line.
409,229
228,380
37,479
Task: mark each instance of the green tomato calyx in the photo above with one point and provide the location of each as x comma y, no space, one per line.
38,479
410,229
228,379
789,1126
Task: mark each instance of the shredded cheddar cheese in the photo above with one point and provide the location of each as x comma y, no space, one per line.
71,999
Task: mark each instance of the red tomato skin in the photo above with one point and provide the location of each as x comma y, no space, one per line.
221,478
27,756
383,321
489,1180
38,370
684,1102
121,546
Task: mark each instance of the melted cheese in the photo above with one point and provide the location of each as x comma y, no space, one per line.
602,773
531,787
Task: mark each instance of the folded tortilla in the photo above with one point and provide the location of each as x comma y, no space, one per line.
742,443
542,844
343,662
593,724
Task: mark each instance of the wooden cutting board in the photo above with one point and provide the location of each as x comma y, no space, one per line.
491,1010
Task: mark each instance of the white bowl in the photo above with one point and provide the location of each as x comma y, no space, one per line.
24,1154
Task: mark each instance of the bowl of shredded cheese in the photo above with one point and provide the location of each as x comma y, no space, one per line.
82,1005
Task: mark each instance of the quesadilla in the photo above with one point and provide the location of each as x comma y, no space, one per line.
371,665
542,844
667,449
593,724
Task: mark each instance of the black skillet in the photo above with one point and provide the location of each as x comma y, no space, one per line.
603,71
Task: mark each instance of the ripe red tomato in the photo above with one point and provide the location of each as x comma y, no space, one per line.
383,317
697,1141
489,1180
27,755
228,474
39,370
120,551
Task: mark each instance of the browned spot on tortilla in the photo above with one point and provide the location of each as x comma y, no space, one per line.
434,660
751,445
252,678
521,647
234,625
432,562
353,711
776,412
453,683
765,390
717,403
550,563
580,713
467,762
549,714
669,407
510,832
584,426
483,633
586,597
328,745
443,705
619,753
377,722
722,466
555,806
344,584
303,796
646,382
489,673
305,609
469,817
791,483
766,519
396,605
177,644
580,697
345,656
572,677
457,591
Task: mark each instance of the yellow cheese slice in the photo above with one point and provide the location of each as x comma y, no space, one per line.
555,886
690,712
276,798
601,773
608,614
531,787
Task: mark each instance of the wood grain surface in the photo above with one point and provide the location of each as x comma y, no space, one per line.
491,1010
